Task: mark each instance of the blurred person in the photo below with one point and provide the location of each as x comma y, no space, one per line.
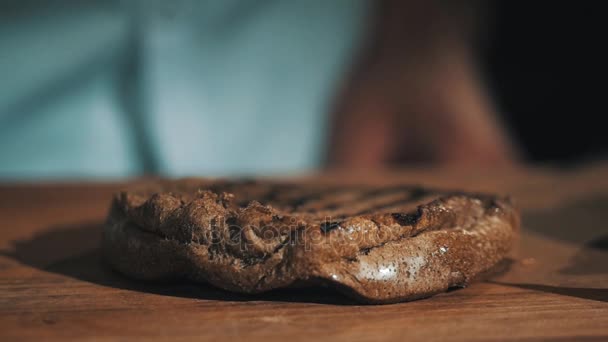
416,95
123,88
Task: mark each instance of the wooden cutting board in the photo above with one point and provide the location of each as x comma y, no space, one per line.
54,286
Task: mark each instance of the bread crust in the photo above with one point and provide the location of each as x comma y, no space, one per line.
375,244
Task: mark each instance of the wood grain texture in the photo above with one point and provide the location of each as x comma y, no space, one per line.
54,286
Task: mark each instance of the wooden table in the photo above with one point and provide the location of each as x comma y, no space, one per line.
53,285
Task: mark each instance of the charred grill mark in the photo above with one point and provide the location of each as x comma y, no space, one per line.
411,194
359,194
300,201
375,207
327,226
289,195
406,219
338,199
335,200
365,251
384,206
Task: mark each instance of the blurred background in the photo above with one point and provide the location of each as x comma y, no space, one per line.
113,89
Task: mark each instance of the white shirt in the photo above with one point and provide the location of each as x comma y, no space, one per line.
187,87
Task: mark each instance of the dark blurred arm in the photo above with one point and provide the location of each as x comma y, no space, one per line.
416,95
